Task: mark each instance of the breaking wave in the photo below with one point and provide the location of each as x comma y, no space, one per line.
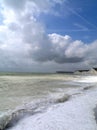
11,118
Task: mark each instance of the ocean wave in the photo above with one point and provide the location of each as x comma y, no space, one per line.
75,114
11,118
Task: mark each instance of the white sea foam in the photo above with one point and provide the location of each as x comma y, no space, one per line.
76,114
88,79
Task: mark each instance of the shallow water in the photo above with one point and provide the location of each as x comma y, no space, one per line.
18,90
30,94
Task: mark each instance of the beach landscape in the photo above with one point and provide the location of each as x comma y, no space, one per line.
48,64
48,101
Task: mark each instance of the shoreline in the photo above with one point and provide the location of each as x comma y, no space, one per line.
74,114
56,108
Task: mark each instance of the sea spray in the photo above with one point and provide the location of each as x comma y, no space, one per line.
76,114
4,120
10,119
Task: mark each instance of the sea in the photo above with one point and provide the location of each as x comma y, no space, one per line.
47,101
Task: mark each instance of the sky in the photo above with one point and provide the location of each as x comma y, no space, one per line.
48,35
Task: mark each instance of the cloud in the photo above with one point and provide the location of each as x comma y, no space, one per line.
57,48
24,43
15,4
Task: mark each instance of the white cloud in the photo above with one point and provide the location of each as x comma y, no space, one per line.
25,44
62,49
